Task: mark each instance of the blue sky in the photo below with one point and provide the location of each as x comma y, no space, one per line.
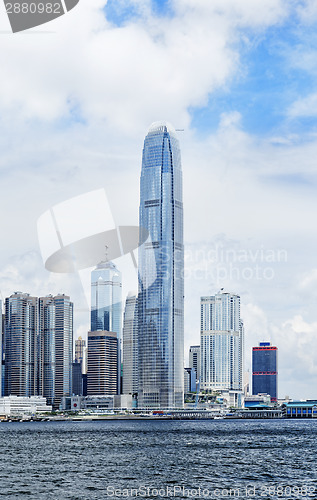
268,80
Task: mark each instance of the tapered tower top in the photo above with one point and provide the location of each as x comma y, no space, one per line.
162,126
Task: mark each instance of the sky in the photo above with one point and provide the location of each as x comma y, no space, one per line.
238,79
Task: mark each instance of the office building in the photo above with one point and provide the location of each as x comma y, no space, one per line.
194,359
106,298
38,346
264,370
130,345
161,265
21,345
189,380
222,343
102,363
81,353
77,380
56,341
106,308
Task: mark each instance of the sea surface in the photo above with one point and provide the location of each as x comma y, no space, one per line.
161,459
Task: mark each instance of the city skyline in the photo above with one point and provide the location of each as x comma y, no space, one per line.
242,90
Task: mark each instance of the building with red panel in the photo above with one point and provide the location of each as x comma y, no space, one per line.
265,370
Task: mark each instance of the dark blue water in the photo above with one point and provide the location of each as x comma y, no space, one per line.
131,459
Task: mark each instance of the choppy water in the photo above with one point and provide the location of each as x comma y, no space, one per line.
99,460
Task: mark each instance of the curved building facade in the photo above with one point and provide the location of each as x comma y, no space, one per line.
161,265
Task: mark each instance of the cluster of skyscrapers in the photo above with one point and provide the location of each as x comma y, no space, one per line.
143,355
37,347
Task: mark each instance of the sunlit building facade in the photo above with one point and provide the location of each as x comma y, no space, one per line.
102,363
21,345
130,345
56,348
222,344
161,265
106,309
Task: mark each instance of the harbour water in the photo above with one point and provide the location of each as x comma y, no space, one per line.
162,459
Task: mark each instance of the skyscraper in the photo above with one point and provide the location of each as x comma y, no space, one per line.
56,348
222,344
194,359
21,345
102,363
80,347
106,310
106,298
161,265
264,370
39,346
130,345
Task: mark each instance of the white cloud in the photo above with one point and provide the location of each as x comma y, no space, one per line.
309,281
148,68
304,107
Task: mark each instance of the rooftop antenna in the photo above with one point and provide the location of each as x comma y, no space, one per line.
106,252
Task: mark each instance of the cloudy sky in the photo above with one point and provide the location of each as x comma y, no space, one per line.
239,78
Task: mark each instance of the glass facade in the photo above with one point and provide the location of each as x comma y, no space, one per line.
106,306
264,370
20,339
130,346
222,343
56,348
39,346
161,265
106,297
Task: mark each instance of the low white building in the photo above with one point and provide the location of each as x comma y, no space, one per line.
98,402
20,405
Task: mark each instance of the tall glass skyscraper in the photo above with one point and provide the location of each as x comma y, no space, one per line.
39,346
106,310
130,345
161,265
21,345
106,297
222,344
264,370
55,348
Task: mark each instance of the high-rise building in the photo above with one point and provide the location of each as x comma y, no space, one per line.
102,363
56,341
80,346
130,345
38,346
81,354
77,380
265,370
222,344
194,359
106,298
189,380
106,305
21,345
161,266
